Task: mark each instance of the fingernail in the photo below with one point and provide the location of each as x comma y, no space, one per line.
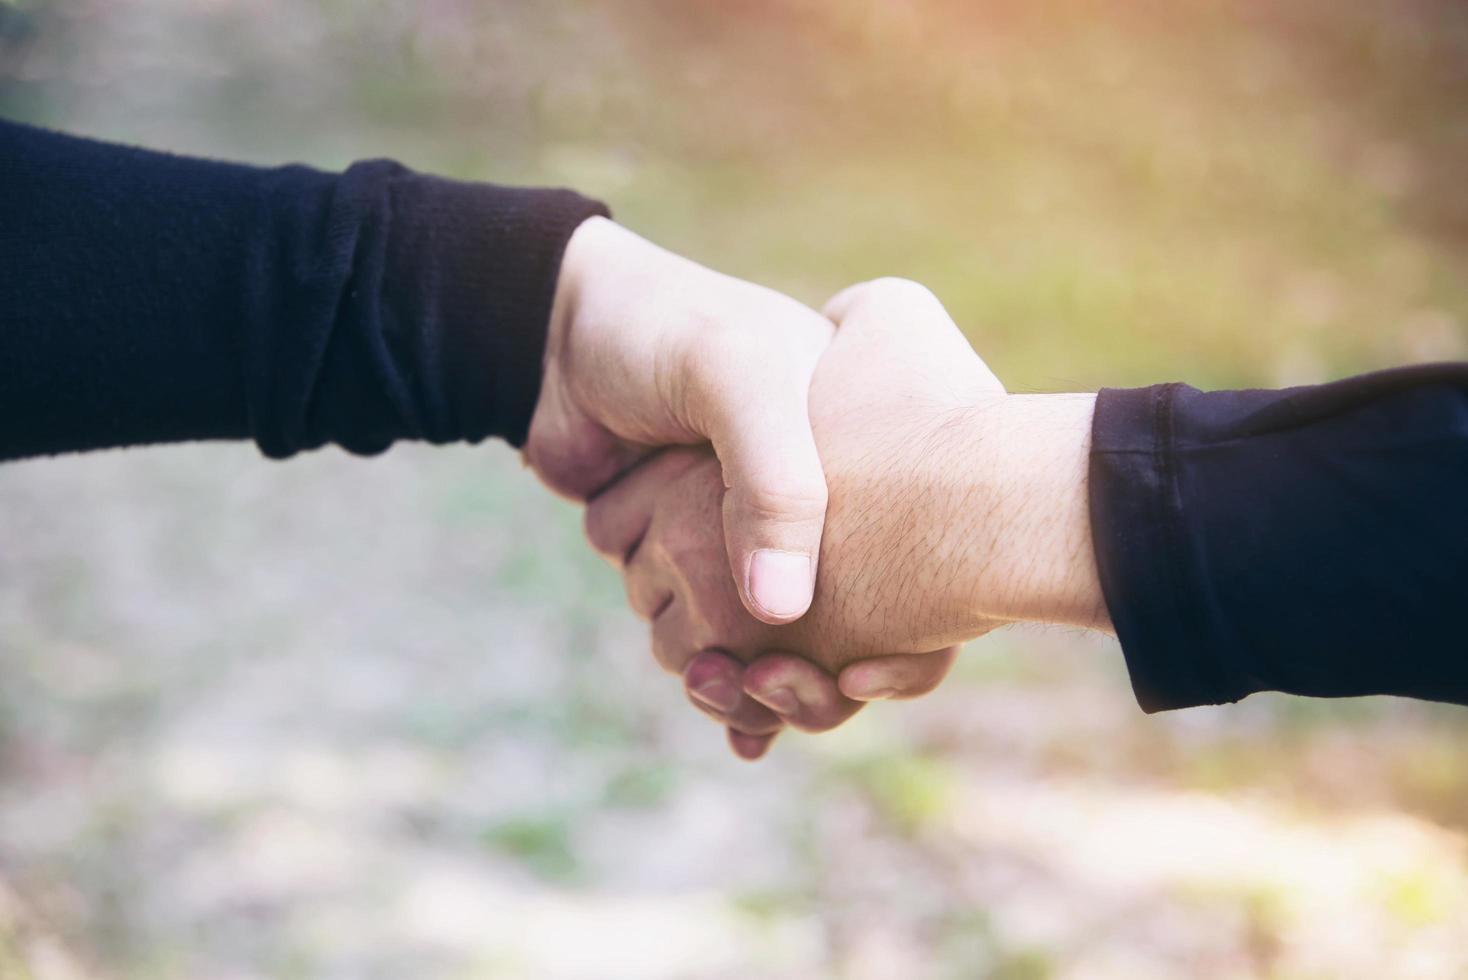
876,694
719,693
780,582
782,701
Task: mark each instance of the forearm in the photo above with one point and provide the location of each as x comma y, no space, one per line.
153,298
1035,549
1308,540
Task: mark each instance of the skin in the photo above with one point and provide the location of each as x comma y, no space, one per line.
645,350
648,349
954,508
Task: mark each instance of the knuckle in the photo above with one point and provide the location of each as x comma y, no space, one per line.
915,687
793,501
640,607
710,665
891,294
564,474
721,622
670,652
908,680
599,531
645,600
686,546
571,455
895,287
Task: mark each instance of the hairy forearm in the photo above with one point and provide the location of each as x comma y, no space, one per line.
1032,549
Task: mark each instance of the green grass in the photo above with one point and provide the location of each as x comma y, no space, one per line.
542,842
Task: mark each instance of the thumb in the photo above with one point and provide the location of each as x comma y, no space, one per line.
775,506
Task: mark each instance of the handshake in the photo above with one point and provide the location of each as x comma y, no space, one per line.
811,510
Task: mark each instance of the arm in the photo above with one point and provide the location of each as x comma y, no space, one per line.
1311,540
155,298
1239,541
152,298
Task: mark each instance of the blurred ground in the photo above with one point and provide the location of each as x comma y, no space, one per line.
385,718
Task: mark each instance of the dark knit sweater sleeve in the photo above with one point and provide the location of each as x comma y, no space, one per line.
147,298
1311,540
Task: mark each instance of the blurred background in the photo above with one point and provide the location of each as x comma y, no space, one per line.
388,718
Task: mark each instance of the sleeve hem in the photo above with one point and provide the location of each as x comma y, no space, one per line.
496,255
1135,515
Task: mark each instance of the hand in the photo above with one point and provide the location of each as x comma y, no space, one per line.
647,349
644,349
954,507
756,700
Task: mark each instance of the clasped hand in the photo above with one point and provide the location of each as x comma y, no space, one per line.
811,510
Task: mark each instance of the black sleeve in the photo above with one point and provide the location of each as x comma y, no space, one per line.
148,298
1312,540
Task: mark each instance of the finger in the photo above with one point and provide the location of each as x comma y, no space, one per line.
712,680
715,679
618,517
896,676
653,589
749,718
749,747
801,693
672,646
649,592
775,507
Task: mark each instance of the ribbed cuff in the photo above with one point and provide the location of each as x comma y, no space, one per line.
483,262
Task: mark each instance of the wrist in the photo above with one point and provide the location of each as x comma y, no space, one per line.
1037,560
577,263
